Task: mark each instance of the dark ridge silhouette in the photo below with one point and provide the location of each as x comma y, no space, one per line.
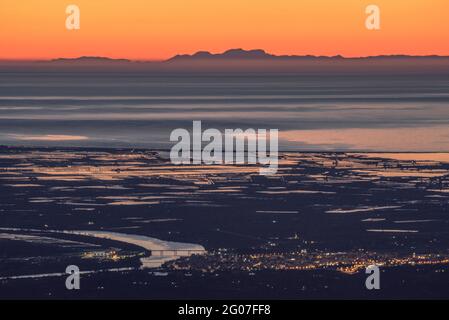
90,59
229,54
262,54
244,61
239,53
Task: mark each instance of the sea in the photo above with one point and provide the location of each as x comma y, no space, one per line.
140,110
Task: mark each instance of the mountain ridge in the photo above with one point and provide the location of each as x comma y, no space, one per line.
239,53
243,61
90,59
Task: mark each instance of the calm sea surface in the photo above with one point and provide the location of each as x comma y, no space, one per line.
401,113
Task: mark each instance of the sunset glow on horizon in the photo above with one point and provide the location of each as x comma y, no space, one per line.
158,29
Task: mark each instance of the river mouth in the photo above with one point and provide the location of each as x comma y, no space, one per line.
161,251
81,247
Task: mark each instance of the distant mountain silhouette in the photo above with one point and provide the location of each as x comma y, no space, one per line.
238,54
229,54
244,54
244,61
90,59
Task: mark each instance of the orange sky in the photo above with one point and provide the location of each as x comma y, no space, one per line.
157,29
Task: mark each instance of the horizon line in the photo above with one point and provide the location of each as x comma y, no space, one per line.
220,53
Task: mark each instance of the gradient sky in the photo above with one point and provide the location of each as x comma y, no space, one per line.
158,29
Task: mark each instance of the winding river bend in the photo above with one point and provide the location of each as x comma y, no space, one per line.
161,251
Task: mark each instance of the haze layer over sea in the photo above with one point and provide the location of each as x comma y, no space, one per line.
312,112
